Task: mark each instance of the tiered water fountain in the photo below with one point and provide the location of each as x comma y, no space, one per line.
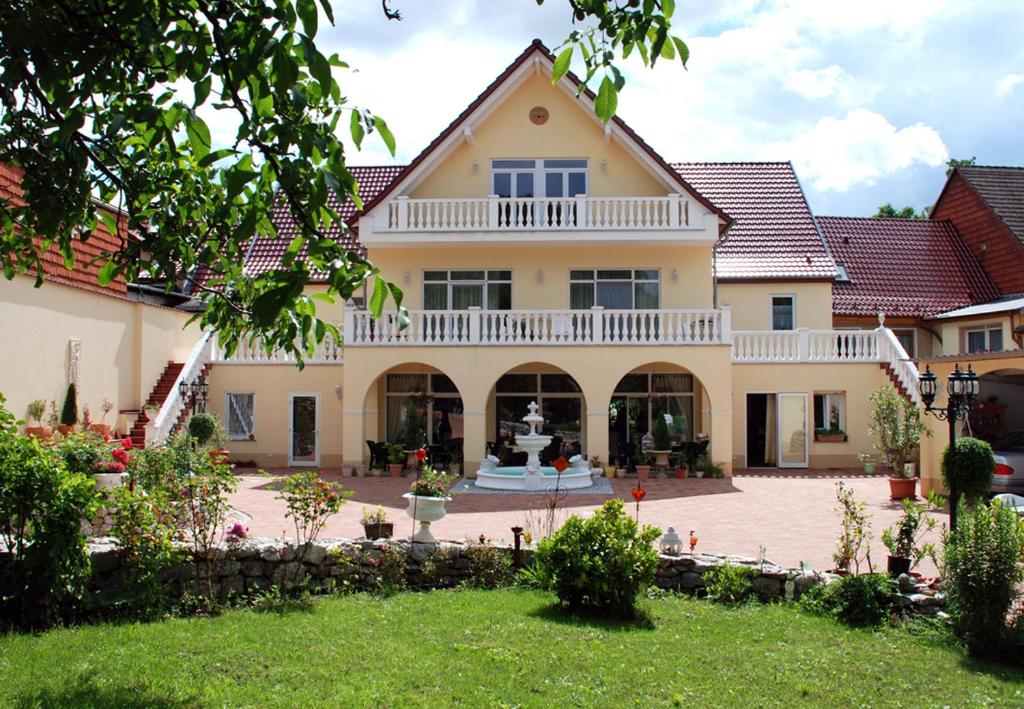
533,477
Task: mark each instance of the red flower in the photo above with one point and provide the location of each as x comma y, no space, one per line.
126,444
560,464
639,493
421,455
120,455
106,438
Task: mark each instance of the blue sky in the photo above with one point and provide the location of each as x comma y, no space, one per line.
867,99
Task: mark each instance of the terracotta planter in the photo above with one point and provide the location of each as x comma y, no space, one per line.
219,456
680,473
65,429
395,469
103,429
425,510
384,530
643,471
902,488
40,432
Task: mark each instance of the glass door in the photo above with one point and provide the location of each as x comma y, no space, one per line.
304,429
792,426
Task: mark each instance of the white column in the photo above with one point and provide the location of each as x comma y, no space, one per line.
726,324
492,211
403,212
598,322
474,324
673,210
803,344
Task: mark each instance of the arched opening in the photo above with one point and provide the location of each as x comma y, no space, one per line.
1000,406
642,396
561,403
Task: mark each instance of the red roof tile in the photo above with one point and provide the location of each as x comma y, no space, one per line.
85,273
1002,188
903,267
773,234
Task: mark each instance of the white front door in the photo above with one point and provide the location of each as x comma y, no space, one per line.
304,428
792,427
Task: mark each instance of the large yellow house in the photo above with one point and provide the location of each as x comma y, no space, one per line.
548,257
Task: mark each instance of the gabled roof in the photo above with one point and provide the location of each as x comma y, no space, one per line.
906,267
1009,303
1001,188
773,235
536,47
86,272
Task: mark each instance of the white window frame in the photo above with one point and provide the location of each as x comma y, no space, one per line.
771,310
633,280
292,462
475,282
830,398
987,330
540,173
227,416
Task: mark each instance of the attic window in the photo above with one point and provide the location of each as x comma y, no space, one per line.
844,275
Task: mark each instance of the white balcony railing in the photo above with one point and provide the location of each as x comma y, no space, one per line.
806,346
531,213
327,352
541,327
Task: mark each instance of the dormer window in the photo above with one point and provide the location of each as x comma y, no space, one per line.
539,178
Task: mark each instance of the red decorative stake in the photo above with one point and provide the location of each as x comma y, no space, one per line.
421,455
560,464
693,540
638,494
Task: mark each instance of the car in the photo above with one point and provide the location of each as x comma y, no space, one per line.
1009,453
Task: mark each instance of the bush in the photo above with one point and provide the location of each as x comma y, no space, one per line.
897,427
202,427
864,600
662,440
81,452
982,570
601,564
489,566
730,585
69,414
972,464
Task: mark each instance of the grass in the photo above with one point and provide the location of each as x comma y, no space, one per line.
494,648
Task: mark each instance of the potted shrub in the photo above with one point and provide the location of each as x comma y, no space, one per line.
396,459
903,539
376,524
868,461
643,468
201,428
111,473
427,497
36,411
69,414
681,466
972,464
662,443
103,428
897,427
832,434
455,467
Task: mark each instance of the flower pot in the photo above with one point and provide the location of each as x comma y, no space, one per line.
680,473
104,429
395,470
869,468
620,472
425,510
902,488
609,471
40,432
65,429
219,456
830,437
699,473
643,471
384,530
897,565
661,458
455,469
108,481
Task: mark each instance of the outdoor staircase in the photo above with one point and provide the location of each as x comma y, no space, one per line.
159,394
899,386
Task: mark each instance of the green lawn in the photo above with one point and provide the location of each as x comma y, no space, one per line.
493,648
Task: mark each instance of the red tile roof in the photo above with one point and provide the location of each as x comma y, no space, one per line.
903,267
773,235
1002,188
85,273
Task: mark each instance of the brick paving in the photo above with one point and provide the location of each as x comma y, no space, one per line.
792,515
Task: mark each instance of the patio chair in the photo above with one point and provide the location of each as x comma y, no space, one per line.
378,455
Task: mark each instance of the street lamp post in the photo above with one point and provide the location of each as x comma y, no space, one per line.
194,394
961,391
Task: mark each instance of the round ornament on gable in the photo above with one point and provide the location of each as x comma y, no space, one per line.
538,115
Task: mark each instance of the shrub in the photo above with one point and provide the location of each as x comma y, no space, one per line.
662,440
310,501
730,585
396,453
430,483
601,564
854,543
36,410
81,452
972,464
69,414
864,600
489,566
42,505
904,539
982,569
202,427
897,427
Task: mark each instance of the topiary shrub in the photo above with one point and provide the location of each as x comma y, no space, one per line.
69,414
599,565
982,570
662,440
862,600
730,585
202,427
972,464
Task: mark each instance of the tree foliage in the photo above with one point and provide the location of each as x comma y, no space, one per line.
113,99
887,211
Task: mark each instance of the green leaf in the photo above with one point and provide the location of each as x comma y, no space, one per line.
668,7
198,135
607,100
307,13
561,67
380,294
385,133
356,128
202,91
106,273
681,50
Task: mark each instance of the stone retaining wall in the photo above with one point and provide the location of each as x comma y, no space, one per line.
331,564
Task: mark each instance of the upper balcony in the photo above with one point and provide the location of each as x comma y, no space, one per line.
494,219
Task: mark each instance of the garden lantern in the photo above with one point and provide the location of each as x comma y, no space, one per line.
671,542
195,394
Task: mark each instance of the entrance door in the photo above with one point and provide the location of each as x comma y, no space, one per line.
304,429
792,425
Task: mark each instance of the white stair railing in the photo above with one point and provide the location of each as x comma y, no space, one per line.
904,369
159,428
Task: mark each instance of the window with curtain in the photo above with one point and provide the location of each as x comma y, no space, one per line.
985,340
783,312
425,408
241,416
540,178
615,289
461,290
830,411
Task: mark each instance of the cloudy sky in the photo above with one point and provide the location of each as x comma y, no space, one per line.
868,99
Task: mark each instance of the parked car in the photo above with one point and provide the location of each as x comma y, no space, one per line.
1009,453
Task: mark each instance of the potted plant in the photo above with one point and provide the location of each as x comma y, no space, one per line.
36,411
427,497
681,466
69,414
103,428
662,443
868,461
904,539
396,459
833,433
376,524
455,467
897,426
643,467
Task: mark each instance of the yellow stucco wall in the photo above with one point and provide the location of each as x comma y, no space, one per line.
857,381
125,345
953,341
752,303
570,132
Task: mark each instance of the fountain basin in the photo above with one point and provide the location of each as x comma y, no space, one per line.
513,478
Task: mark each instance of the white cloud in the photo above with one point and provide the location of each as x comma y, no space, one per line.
832,81
838,153
1006,85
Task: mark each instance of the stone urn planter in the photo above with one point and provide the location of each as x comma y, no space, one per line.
661,458
901,488
108,481
425,510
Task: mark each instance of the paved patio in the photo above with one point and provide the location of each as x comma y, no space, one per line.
791,514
